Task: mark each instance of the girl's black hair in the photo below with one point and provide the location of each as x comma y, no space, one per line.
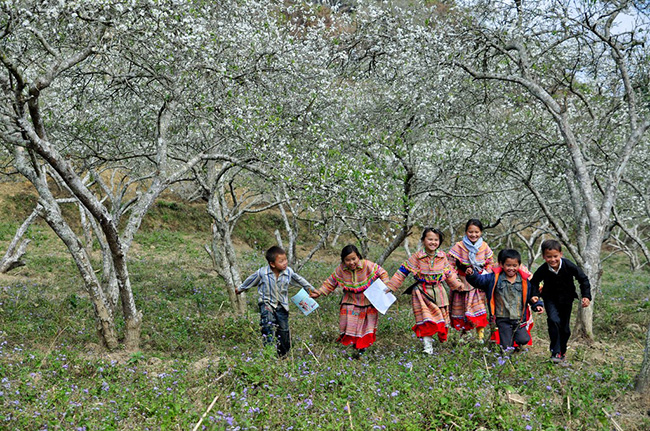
474,222
349,249
438,232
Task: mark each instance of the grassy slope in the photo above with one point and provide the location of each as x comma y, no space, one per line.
54,376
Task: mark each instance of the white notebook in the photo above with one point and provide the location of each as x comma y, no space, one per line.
378,298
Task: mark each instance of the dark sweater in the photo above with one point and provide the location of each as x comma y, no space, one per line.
560,287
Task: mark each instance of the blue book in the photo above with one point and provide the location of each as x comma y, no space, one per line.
304,302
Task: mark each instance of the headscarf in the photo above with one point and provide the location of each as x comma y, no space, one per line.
473,250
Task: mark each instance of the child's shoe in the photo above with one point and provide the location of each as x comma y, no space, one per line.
359,353
428,345
556,358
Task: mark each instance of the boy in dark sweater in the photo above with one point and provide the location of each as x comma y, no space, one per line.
555,281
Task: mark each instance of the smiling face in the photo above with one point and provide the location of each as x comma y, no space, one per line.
431,242
510,267
553,258
473,233
351,261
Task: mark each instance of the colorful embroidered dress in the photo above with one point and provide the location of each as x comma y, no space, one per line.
358,318
430,301
468,304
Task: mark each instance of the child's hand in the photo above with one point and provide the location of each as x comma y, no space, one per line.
585,302
388,290
469,270
238,292
314,294
534,299
539,309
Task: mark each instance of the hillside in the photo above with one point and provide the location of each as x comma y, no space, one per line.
196,352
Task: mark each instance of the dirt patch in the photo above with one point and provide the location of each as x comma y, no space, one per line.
12,188
203,364
634,408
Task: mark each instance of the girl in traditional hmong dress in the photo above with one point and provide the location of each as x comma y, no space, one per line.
357,318
430,267
468,309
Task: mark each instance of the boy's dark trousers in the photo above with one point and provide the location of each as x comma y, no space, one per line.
511,331
275,322
558,317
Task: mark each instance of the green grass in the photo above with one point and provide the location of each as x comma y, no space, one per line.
19,204
8,230
194,349
624,306
394,387
248,229
177,216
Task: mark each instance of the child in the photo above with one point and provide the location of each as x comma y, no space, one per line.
555,281
430,267
357,318
272,283
508,293
468,304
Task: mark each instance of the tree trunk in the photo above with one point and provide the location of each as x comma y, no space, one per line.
584,326
132,316
86,226
361,234
395,243
51,213
109,280
643,379
312,252
233,269
337,234
132,331
13,255
291,228
104,317
225,264
407,249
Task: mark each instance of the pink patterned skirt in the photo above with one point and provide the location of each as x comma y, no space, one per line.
357,325
429,318
468,309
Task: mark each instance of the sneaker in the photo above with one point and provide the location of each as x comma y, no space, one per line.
556,358
428,345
